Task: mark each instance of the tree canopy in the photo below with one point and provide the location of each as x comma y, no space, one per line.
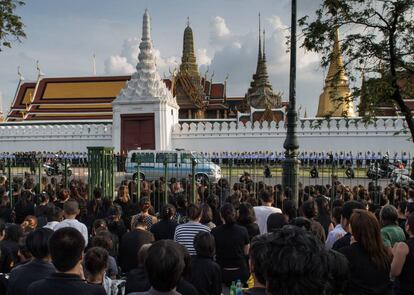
11,25
377,41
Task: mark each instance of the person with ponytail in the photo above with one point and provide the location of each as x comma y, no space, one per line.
232,246
369,261
165,228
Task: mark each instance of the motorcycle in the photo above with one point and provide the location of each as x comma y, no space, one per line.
375,171
51,170
401,177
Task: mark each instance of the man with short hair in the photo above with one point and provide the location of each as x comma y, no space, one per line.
164,265
39,268
66,247
70,211
185,233
262,212
347,211
257,264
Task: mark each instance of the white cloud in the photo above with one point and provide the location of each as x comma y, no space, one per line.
237,56
202,58
219,27
125,62
118,65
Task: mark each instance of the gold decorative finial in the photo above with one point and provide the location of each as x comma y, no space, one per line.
39,72
336,99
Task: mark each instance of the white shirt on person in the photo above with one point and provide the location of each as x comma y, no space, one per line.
51,225
334,235
75,224
262,213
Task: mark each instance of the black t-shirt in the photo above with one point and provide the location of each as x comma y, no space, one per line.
164,229
64,284
137,281
186,288
206,275
345,241
130,244
252,229
365,276
230,242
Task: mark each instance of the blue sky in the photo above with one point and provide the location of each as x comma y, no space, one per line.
63,36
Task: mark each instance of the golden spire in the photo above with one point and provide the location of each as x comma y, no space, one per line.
188,60
336,99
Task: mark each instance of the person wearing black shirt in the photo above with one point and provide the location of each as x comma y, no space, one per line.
39,268
369,262
347,210
66,248
9,248
205,273
137,280
247,219
131,243
165,228
232,245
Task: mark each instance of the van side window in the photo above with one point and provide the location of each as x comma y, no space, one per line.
142,158
186,158
168,157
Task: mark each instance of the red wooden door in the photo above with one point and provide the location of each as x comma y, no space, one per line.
137,131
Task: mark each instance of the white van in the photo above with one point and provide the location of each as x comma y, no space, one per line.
179,165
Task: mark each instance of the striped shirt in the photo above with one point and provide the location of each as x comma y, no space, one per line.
185,234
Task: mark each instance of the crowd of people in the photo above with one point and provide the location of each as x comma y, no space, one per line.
344,158
250,238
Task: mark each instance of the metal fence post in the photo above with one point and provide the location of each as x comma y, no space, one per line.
230,170
39,166
9,175
138,179
166,182
193,180
66,173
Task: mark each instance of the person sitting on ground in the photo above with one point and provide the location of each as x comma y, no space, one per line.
70,211
391,233
164,266
66,247
402,266
95,261
39,268
205,273
131,242
185,233
262,212
257,264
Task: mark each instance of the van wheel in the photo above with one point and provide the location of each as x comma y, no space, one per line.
142,176
201,178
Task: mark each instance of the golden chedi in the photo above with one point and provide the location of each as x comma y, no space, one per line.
336,99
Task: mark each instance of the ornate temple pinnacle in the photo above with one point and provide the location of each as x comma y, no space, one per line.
146,27
188,60
336,99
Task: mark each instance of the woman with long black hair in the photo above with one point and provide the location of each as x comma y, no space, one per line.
369,262
232,246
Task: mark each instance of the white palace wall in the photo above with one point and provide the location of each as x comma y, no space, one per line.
385,134
53,136
313,135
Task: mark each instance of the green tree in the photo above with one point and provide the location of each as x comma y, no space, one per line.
377,38
11,26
